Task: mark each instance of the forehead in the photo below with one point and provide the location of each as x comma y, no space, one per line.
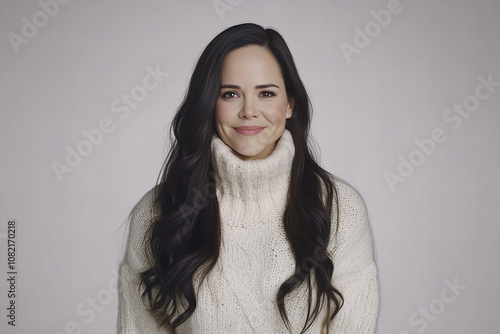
251,62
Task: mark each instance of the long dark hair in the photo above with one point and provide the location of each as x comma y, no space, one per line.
186,235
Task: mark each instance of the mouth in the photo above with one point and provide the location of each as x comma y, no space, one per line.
249,130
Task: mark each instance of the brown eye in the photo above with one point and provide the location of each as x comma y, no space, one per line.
229,95
267,94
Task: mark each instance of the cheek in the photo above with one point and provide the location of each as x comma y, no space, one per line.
277,114
222,114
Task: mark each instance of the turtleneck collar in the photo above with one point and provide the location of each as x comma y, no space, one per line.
252,179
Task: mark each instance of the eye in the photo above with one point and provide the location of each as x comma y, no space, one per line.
229,95
267,94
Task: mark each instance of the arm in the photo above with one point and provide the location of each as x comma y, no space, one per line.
355,271
133,314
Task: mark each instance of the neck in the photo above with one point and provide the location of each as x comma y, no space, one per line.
252,179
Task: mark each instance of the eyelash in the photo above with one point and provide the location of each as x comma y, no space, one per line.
225,95
267,92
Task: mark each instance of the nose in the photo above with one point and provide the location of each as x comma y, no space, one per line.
249,109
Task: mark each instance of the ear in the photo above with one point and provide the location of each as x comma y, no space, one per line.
290,107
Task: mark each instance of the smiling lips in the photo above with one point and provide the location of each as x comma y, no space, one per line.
249,130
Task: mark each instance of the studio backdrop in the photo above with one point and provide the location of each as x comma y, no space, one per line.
406,99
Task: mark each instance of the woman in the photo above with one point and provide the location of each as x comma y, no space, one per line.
245,232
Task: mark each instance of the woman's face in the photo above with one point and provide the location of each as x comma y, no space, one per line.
252,106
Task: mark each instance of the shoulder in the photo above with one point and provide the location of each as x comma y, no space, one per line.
145,209
351,203
352,222
140,219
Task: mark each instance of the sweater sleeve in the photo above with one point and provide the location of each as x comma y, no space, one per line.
133,314
355,271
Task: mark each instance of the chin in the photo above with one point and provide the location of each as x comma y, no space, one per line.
248,154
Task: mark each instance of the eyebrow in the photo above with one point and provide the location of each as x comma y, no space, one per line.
256,87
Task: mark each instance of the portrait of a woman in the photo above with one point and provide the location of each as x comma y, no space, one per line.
244,231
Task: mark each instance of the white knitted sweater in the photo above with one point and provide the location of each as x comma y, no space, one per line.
239,294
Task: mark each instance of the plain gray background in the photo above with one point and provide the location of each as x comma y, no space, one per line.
377,106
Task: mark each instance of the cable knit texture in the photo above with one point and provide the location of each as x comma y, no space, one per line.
239,294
